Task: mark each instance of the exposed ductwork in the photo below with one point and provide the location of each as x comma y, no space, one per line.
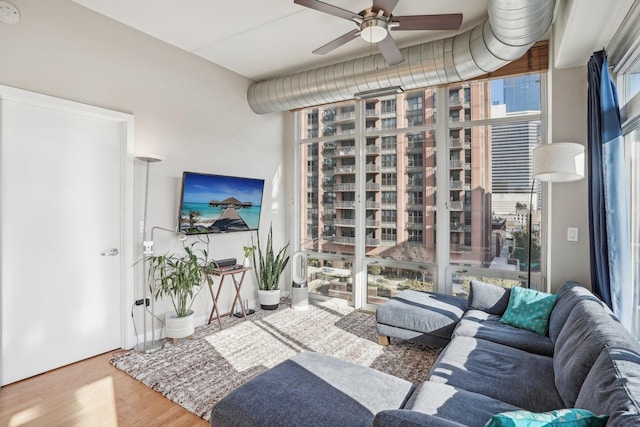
511,28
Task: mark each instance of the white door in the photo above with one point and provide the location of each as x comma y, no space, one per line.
61,236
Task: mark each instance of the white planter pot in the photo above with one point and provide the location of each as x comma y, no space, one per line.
179,327
269,300
246,263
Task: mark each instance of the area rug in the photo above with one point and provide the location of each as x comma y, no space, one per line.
198,373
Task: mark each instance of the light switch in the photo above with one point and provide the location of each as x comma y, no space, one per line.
572,234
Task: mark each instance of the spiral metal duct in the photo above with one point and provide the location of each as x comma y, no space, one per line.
511,28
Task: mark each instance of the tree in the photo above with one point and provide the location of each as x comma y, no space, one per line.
521,250
194,216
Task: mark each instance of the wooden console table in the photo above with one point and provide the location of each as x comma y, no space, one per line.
222,273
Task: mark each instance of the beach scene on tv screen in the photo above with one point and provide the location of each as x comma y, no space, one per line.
220,204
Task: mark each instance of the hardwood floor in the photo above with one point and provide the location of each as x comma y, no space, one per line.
89,393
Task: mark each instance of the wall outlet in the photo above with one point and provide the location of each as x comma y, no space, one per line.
572,234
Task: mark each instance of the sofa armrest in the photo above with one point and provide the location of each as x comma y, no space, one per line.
407,418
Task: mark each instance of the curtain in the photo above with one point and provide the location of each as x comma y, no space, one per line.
609,227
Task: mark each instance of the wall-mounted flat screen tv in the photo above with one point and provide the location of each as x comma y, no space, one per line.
219,204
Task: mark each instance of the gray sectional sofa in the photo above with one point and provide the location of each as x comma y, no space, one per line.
587,360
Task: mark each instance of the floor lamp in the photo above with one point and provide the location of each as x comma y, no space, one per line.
153,345
556,162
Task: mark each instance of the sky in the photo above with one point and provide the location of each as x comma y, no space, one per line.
497,92
202,188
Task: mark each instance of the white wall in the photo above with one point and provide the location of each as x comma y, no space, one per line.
568,102
192,113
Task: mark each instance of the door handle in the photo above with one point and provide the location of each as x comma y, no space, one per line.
110,252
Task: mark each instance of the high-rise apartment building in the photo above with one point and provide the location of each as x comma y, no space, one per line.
400,177
522,93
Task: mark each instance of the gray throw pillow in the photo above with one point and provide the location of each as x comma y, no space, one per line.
492,299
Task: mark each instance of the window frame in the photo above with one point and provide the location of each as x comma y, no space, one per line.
442,271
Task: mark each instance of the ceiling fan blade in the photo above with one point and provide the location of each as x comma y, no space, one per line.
327,8
390,51
386,5
450,21
337,42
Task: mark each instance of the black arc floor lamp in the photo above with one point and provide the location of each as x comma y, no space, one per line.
556,162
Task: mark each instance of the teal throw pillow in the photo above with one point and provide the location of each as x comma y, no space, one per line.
529,309
561,417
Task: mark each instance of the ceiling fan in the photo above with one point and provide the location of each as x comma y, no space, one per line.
375,23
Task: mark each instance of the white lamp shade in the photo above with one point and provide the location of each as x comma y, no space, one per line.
558,162
149,158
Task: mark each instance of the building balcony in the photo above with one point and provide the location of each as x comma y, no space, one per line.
344,240
345,151
372,205
345,205
345,222
371,242
455,102
455,144
455,164
372,149
456,227
372,113
345,117
455,185
455,206
459,248
351,186
372,168
345,169
372,186
372,223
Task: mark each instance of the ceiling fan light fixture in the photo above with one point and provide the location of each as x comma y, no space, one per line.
373,30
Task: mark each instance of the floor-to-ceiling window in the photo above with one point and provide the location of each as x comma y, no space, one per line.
424,189
629,83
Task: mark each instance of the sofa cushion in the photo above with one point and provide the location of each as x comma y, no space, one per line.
487,297
588,330
529,309
513,376
445,401
405,418
423,312
613,387
482,325
569,295
311,389
570,417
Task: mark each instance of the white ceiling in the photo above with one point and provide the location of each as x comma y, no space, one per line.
265,38
260,39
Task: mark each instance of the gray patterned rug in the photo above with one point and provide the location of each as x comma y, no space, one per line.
197,373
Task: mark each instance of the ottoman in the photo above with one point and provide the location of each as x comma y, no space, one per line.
423,317
309,390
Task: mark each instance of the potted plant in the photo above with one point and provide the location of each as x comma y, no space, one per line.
248,250
268,267
179,277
